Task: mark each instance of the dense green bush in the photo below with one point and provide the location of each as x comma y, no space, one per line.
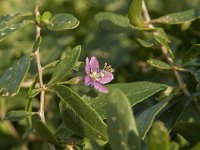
52,90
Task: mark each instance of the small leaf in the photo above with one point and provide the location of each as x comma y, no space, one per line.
66,65
17,115
145,119
192,53
190,131
37,44
63,21
34,92
135,92
159,64
46,16
113,22
43,131
179,17
13,77
84,121
135,14
95,145
145,43
121,122
158,138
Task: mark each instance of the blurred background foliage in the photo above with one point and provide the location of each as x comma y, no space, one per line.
120,49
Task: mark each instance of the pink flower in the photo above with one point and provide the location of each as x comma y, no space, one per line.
96,77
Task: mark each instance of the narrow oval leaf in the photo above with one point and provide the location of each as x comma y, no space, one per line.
121,122
17,115
66,65
74,110
113,22
135,14
135,92
192,53
145,119
13,77
179,17
145,43
159,64
43,131
158,138
190,131
63,21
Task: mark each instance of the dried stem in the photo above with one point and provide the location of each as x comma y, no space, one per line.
40,72
166,53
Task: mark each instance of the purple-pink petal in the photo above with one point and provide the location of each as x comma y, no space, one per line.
94,64
87,66
88,80
107,77
100,87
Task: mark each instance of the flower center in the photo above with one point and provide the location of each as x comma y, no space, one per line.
96,76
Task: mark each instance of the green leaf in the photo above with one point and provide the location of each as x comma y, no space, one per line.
113,22
190,131
37,44
145,119
135,14
145,43
78,116
43,131
17,115
6,31
179,17
192,53
121,122
13,77
66,65
135,92
46,16
158,138
159,64
62,21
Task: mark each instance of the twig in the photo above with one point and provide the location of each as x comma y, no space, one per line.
170,60
166,53
40,72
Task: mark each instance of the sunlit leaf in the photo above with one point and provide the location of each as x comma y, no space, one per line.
179,17
135,14
61,22
159,64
